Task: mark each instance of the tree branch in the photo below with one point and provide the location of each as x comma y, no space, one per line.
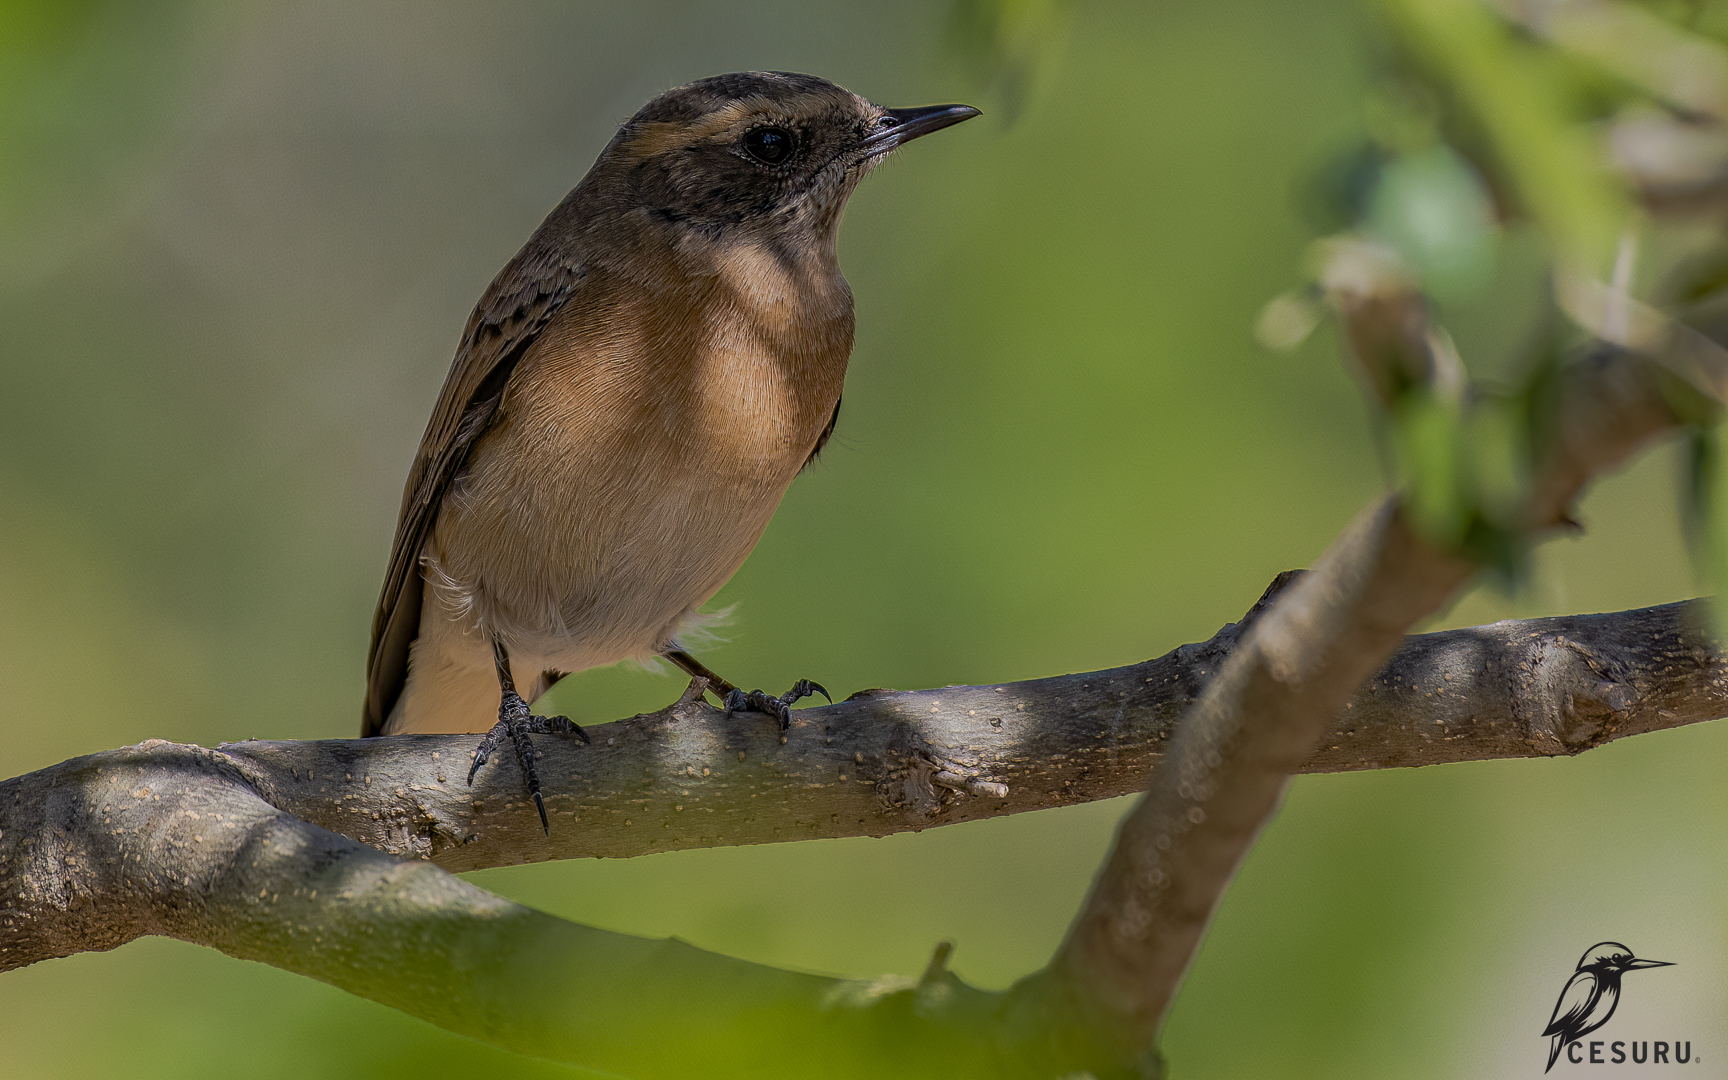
174,840
218,847
261,849
1268,710
1524,688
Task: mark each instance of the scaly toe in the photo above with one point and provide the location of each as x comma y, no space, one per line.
488,744
557,725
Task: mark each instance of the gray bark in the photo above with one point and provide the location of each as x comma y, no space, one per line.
283,852
99,828
1276,699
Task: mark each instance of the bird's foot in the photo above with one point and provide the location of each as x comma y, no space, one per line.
778,707
516,723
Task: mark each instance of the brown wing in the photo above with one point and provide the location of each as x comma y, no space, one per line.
510,316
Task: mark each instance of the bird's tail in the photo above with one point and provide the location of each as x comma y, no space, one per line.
1554,1050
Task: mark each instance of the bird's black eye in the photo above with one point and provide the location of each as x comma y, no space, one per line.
769,145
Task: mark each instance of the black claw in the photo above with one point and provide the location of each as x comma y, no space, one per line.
557,725
516,723
778,707
757,701
803,688
483,752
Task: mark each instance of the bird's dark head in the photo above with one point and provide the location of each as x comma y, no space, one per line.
1611,957
758,150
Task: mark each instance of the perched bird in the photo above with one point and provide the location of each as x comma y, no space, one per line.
631,398
1591,995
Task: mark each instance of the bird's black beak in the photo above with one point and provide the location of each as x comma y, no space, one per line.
904,125
1634,965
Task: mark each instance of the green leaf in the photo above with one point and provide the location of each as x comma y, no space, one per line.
1524,101
1497,477
1706,513
1428,444
1435,211
1008,43
1498,460
1465,473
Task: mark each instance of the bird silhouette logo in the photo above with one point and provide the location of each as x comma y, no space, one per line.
1591,994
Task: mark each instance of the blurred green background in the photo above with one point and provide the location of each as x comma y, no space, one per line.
238,242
